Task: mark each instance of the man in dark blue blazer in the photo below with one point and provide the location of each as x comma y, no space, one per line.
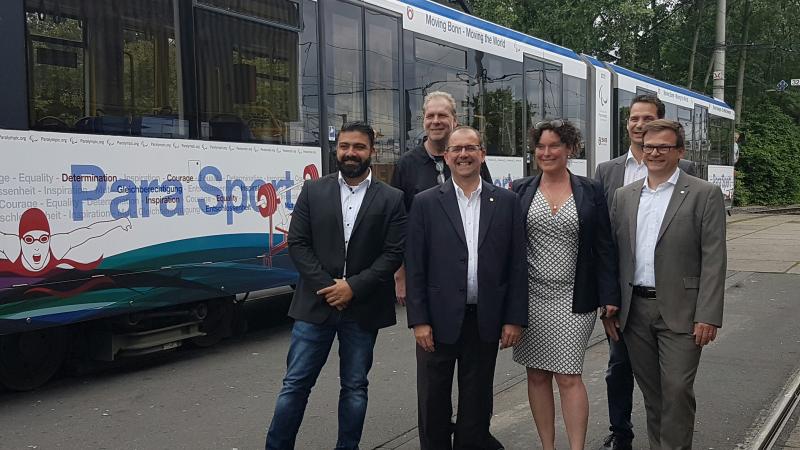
346,241
466,290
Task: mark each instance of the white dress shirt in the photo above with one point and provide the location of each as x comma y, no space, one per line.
652,207
634,171
351,197
470,209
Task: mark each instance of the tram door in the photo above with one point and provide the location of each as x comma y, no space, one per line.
362,77
701,145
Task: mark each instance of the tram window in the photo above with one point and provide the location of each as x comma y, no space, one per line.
108,71
700,144
499,108
247,80
685,119
624,99
534,90
307,125
552,91
345,71
575,107
670,111
383,89
286,12
440,53
721,135
56,70
423,77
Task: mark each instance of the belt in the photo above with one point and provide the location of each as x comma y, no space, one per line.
471,308
644,291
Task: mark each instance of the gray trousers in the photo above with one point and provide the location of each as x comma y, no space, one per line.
664,365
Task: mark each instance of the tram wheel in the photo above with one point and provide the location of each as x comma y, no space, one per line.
29,360
216,325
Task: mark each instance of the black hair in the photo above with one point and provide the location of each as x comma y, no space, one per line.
361,127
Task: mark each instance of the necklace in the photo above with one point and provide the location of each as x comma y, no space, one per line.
551,200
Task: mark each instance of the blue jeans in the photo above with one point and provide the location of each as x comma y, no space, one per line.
308,352
619,385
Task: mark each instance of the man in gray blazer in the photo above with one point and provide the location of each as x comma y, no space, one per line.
614,174
670,234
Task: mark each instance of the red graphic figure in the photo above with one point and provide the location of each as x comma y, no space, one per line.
34,251
268,200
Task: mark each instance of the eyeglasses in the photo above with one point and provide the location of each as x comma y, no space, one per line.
28,239
464,148
440,168
661,149
557,123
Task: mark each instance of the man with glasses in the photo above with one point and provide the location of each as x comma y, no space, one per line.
614,174
424,167
670,235
461,302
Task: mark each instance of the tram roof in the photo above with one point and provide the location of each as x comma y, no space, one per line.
662,84
454,14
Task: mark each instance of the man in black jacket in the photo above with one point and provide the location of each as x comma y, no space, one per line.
423,168
346,241
466,292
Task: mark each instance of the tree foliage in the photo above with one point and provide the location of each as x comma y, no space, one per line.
656,37
769,161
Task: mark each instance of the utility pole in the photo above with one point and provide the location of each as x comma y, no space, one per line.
464,4
719,52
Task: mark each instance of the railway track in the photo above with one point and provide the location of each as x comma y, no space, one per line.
792,210
781,415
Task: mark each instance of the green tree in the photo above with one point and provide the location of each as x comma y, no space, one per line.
770,159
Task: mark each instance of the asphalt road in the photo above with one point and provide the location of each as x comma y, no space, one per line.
223,397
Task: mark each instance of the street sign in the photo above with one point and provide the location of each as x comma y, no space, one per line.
782,85
795,81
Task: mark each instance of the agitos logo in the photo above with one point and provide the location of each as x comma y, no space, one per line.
410,13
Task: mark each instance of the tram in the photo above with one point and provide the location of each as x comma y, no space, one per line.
153,148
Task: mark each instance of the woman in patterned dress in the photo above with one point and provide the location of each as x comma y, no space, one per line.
572,271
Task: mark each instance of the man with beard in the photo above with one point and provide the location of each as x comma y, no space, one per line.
346,240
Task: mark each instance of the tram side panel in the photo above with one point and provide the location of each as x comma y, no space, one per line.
141,185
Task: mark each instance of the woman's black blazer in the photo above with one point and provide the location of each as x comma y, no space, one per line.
596,271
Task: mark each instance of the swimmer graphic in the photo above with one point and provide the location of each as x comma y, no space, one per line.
35,251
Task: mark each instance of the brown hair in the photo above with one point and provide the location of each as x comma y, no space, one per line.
569,134
467,127
653,100
666,124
